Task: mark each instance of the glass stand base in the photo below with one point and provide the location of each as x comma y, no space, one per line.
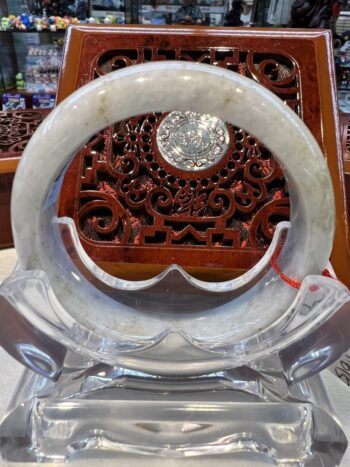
237,418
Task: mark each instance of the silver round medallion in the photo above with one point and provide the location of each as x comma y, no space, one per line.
191,141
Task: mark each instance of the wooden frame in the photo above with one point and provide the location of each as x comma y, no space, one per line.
311,51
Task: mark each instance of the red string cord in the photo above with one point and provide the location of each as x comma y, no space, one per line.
292,282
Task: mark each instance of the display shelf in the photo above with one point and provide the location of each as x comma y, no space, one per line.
21,91
32,31
173,9
37,56
28,95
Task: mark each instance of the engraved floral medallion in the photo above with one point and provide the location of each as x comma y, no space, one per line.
191,141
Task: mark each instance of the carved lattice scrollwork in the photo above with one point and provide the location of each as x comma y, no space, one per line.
138,198
277,72
16,128
130,196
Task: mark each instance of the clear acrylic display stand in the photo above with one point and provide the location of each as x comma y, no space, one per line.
172,368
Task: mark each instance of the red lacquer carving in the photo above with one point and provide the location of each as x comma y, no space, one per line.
129,195
16,128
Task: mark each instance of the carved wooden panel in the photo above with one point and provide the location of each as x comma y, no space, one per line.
131,206
131,196
16,128
344,121
6,180
276,71
345,141
236,204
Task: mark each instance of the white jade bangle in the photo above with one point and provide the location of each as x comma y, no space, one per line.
158,87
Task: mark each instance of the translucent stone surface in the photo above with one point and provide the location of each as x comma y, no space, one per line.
196,326
172,368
